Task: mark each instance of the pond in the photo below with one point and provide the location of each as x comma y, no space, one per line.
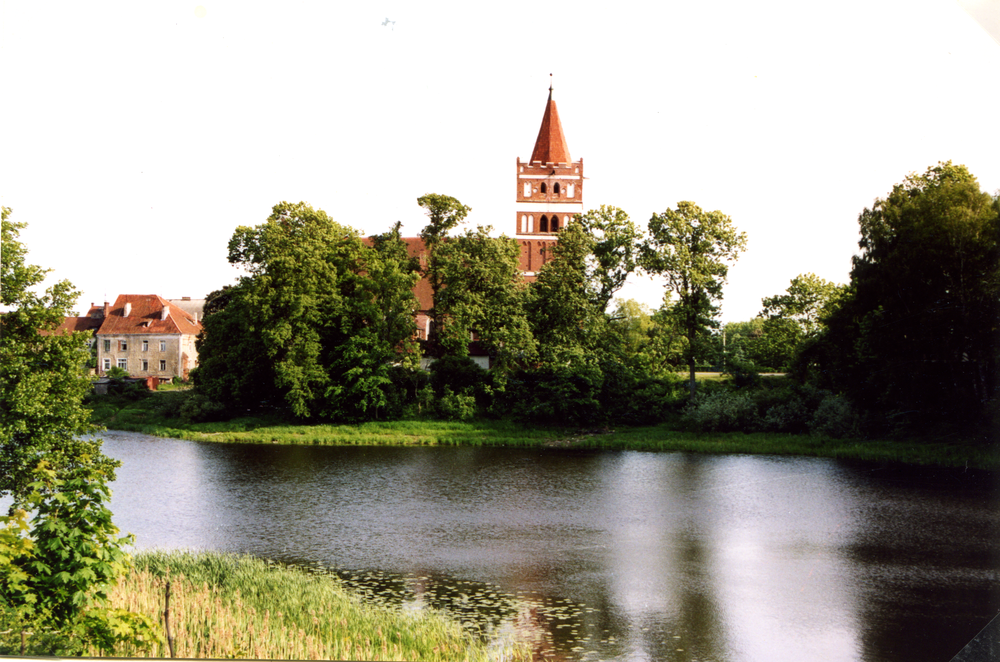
602,555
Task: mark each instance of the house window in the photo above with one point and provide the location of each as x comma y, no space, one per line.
163,345
123,364
107,363
107,345
145,365
163,366
145,345
123,345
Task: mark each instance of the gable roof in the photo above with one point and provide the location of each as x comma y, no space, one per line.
144,317
550,146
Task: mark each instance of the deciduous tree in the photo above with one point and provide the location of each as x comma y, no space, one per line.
614,253
42,378
482,292
916,342
692,249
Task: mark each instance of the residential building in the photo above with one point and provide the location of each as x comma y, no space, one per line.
147,336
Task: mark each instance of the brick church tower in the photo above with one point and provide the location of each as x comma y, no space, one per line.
549,192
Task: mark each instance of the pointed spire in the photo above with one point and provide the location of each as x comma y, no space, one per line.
550,146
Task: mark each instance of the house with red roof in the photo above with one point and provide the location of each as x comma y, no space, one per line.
147,336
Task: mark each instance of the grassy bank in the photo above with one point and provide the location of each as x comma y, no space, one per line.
154,415
224,606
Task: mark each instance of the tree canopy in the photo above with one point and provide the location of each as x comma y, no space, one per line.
316,325
692,250
42,376
915,342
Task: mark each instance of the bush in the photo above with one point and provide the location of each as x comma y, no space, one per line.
835,417
565,390
456,406
198,408
722,411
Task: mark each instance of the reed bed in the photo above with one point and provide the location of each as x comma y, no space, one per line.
227,606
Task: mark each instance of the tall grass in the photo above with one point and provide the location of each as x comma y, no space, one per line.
226,606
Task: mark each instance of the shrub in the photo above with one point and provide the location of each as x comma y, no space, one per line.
456,406
722,411
198,408
835,417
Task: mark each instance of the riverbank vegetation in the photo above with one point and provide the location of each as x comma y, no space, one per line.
719,432
322,328
225,606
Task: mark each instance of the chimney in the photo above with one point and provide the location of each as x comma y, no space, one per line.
165,313
128,309
106,306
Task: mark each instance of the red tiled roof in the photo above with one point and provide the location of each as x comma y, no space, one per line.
71,324
144,317
550,146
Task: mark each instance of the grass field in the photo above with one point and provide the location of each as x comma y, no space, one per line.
151,415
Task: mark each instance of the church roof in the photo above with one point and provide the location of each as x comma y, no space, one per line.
550,146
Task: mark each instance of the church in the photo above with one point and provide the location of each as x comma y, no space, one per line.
549,193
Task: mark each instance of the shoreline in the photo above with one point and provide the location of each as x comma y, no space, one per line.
142,416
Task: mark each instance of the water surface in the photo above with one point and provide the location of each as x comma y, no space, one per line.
601,554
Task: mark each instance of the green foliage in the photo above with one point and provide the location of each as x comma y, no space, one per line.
916,343
561,305
613,254
722,410
808,301
317,325
483,293
42,380
564,389
59,574
691,248
835,417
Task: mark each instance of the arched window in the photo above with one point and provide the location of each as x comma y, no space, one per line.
531,222
524,224
544,225
543,187
555,224
555,188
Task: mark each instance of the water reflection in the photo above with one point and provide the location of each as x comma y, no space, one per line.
611,555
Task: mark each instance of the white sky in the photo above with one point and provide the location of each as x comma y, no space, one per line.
136,136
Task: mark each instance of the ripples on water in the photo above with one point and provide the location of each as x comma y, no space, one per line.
602,555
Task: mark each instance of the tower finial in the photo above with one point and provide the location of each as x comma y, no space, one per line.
550,85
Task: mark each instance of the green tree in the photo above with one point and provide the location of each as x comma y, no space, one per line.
691,248
444,214
482,292
42,379
916,341
564,303
808,300
317,324
613,254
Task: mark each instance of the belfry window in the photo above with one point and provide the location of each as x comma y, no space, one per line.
544,224
555,188
543,187
555,224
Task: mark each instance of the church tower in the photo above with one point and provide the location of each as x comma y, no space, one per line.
549,192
